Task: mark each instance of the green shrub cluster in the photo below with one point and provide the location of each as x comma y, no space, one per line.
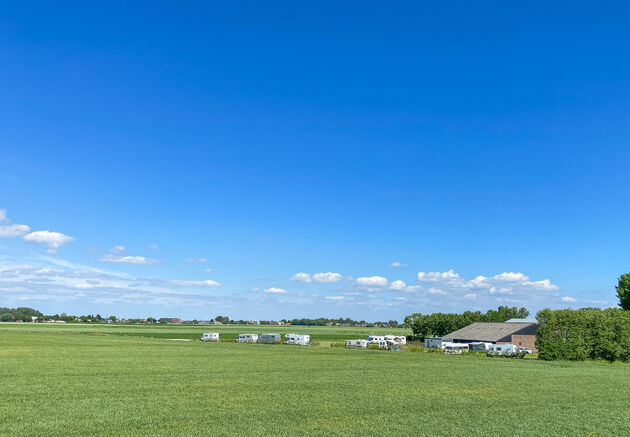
587,333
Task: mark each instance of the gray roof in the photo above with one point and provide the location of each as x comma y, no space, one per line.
521,321
492,331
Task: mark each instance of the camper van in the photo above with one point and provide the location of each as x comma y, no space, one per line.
375,339
210,336
398,339
436,342
299,339
269,338
247,338
389,345
455,348
480,346
357,344
502,349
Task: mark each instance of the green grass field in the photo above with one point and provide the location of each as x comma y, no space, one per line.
135,381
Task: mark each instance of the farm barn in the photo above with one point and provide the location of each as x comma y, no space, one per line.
520,334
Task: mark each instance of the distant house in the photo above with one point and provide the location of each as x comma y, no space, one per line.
176,320
520,334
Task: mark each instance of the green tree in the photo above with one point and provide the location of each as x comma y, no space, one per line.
623,291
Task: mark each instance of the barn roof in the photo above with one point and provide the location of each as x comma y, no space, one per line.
492,331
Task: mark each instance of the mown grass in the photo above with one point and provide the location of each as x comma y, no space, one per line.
57,384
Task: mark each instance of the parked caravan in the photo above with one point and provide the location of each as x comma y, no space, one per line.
389,345
502,349
480,346
269,338
357,344
436,342
455,348
398,339
299,339
247,338
210,336
375,339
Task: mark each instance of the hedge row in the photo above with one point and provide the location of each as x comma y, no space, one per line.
587,333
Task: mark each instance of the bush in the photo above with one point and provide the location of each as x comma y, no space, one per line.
587,333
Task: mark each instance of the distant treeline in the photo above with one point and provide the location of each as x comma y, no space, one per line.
587,333
440,324
26,315
322,321
14,314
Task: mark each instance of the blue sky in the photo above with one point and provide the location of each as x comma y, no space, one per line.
214,159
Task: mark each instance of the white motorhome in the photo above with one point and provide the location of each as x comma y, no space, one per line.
375,338
354,344
389,345
436,342
455,348
269,338
247,338
210,336
299,339
480,346
398,339
502,349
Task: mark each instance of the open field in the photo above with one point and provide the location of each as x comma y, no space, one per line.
322,334
134,381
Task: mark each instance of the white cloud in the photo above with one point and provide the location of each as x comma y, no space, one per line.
207,270
372,281
436,291
302,277
183,283
511,276
10,231
54,240
197,260
327,277
545,284
437,276
321,278
7,230
471,296
154,246
401,286
90,286
274,290
398,285
117,249
334,297
129,259
398,264
568,299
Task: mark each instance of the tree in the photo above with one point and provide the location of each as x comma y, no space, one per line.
623,291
